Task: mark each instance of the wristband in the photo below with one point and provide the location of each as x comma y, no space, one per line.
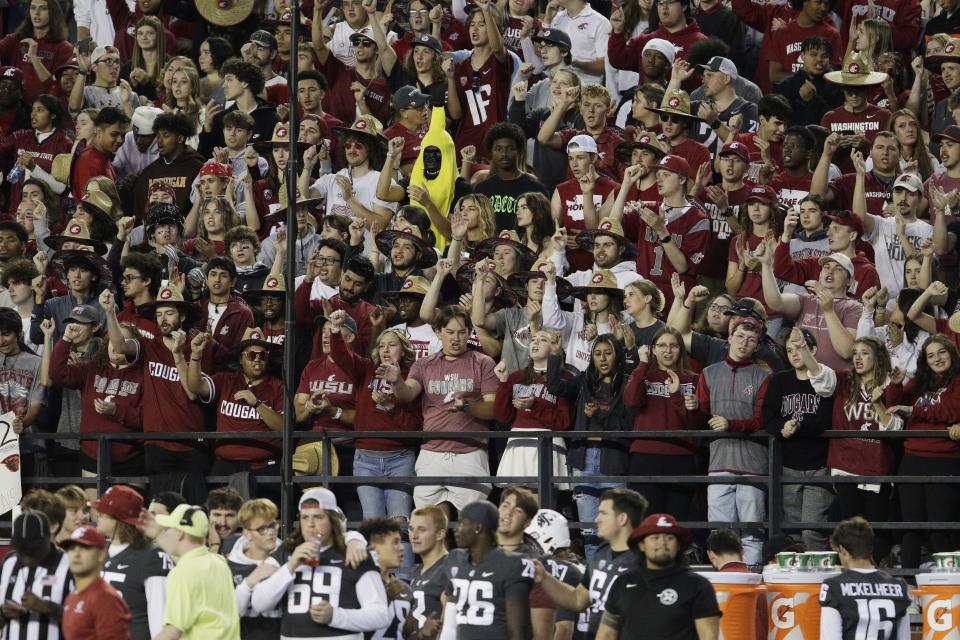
257,403
666,240
715,124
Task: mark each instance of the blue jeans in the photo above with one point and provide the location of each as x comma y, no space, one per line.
384,500
587,496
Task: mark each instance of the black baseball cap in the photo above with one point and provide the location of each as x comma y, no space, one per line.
554,36
263,38
409,97
427,40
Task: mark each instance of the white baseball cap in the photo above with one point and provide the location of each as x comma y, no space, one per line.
143,119
582,143
908,181
840,259
323,497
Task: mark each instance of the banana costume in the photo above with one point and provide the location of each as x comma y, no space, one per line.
436,168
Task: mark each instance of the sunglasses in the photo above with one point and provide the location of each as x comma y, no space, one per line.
364,43
255,356
110,62
353,144
672,118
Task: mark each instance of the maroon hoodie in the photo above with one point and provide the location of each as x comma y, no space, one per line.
628,55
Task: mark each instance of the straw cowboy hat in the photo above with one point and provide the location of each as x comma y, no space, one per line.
76,232
254,336
601,281
607,227
412,286
641,140
509,238
224,13
273,285
676,103
519,280
385,240
856,72
366,127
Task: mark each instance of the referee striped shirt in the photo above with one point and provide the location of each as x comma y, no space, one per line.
50,580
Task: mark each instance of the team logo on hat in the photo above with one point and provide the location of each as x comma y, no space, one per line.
606,225
947,49
424,38
10,73
256,335
665,160
673,102
758,190
407,284
165,294
76,311
491,266
854,68
505,234
281,132
597,277
644,140
74,228
547,33
272,282
542,267
663,522
360,124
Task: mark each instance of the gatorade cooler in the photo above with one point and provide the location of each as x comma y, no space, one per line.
940,597
739,596
794,604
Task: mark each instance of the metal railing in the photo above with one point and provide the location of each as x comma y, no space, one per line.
545,480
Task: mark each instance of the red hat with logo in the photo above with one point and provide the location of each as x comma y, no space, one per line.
11,73
736,149
847,219
763,193
659,523
120,502
85,536
675,164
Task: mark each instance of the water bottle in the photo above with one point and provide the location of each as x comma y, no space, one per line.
15,173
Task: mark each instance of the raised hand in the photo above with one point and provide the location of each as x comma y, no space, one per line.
49,328
199,342
501,371
71,331
468,154
673,381
107,302
396,146
519,91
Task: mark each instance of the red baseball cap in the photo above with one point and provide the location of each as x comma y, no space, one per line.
675,164
12,73
120,502
847,219
86,536
659,523
737,149
763,193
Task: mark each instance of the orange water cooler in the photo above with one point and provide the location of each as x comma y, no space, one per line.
940,598
739,596
793,600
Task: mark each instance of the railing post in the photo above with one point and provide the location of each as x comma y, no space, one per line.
775,487
103,465
545,479
326,462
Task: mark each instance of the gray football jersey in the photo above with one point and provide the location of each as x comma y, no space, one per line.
480,591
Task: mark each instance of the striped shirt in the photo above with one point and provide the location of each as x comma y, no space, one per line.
50,580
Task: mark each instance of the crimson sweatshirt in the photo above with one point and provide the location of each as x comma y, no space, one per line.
859,456
122,386
42,152
13,53
548,411
787,268
308,310
628,55
371,416
656,409
935,410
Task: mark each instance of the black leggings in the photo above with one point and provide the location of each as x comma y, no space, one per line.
928,503
874,507
675,499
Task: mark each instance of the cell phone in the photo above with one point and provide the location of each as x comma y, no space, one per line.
847,132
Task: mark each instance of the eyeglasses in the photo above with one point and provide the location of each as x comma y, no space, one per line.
267,528
364,43
110,62
353,144
129,279
213,198
672,118
717,308
744,339
255,356
327,261
667,347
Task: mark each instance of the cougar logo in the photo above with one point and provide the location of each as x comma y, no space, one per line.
667,597
12,462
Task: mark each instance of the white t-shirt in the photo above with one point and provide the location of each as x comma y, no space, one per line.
423,339
888,252
589,32
341,47
365,190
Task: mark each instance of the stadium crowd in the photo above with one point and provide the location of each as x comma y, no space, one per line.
515,216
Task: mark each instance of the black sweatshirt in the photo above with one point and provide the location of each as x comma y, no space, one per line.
789,398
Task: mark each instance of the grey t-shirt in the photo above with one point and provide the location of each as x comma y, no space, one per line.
95,97
513,328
